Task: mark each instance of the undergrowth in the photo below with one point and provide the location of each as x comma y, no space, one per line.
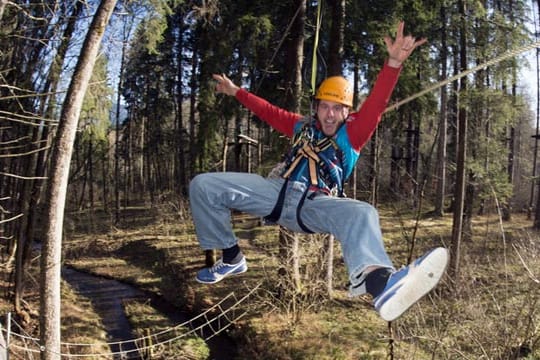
491,311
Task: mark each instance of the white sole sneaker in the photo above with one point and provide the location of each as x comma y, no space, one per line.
220,271
408,285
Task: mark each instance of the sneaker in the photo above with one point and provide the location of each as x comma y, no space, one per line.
409,284
220,270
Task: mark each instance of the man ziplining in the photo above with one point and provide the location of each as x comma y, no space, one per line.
308,195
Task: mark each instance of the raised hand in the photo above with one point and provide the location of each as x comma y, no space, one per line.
401,47
225,85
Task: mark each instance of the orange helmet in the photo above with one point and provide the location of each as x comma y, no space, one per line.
337,89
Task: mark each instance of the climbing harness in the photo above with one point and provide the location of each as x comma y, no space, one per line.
305,146
314,161
324,159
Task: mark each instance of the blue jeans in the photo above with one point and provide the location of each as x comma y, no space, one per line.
354,223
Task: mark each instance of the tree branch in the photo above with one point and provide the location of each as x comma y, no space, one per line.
11,219
24,177
24,154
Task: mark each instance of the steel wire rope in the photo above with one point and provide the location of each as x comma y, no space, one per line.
435,86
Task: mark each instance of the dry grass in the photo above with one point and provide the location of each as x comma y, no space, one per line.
77,326
493,313
147,321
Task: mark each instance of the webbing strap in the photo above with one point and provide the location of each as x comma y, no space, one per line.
291,168
298,211
309,152
313,160
274,216
276,211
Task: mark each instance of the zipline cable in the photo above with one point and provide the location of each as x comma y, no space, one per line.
507,55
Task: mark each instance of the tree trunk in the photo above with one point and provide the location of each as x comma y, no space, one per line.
411,158
84,181
141,178
37,167
294,58
57,187
105,180
238,119
129,165
443,124
356,103
117,182
457,226
249,150
330,264
90,159
193,110
289,269
337,36
225,148
29,164
180,160
373,171
535,182
512,159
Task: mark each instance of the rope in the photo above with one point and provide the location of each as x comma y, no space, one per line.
315,46
508,54
220,322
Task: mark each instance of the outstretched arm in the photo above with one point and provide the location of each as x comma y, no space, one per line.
280,119
363,123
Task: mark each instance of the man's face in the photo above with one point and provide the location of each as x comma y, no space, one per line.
331,115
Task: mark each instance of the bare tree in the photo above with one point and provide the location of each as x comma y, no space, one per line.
58,181
337,34
294,58
38,164
457,227
443,123
536,183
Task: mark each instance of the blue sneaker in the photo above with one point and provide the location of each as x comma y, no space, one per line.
220,270
409,284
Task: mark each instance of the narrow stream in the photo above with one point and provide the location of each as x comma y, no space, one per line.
107,296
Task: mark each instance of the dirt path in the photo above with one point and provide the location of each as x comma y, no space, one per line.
107,297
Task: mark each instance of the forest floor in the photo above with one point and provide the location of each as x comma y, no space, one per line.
492,311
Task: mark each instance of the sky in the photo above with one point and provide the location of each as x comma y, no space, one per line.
529,75
528,78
